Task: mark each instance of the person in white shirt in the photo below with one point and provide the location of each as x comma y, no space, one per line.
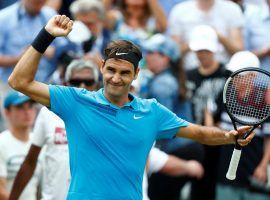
14,144
225,17
159,161
49,132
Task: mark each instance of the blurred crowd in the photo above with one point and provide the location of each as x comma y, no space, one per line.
190,48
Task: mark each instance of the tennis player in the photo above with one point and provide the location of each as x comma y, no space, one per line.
110,132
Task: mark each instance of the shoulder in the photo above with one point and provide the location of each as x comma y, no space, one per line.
228,5
9,12
183,6
4,136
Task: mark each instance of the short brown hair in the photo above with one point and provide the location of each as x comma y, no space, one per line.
123,46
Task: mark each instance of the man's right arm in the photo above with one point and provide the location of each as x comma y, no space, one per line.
22,77
25,173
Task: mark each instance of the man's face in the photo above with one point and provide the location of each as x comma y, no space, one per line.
92,21
156,62
83,78
21,116
206,58
117,77
33,7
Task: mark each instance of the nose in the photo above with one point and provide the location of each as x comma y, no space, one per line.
116,78
82,85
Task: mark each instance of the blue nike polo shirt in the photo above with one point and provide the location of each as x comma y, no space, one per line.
109,145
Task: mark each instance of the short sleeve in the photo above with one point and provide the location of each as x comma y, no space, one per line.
174,21
39,137
3,167
63,100
156,160
168,123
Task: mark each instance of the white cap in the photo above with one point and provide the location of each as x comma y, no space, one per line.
243,59
203,37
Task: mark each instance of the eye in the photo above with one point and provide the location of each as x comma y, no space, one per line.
125,72
110,69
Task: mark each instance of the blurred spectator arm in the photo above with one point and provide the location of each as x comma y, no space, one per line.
234,42
3,192
260,173
159,15
55,4
179,167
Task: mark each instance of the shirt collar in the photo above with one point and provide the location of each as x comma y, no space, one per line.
100,97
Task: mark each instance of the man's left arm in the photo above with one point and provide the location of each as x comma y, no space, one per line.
215,136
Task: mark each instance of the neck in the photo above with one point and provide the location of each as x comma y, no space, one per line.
205,5
21,133
119,101
210,69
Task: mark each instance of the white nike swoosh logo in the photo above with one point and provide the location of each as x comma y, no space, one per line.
137,117
119,54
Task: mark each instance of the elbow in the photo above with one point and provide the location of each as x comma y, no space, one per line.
16,83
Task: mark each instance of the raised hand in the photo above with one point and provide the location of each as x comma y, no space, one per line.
59,25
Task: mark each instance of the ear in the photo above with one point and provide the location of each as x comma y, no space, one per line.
102,66
7,113
136,73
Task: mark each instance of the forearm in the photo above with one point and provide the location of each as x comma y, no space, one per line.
3,194
207,135
266,156
175,167
232,43
159,14
215,136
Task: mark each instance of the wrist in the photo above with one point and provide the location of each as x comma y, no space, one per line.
230,137
42,40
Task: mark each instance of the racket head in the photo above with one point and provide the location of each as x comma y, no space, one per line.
246,96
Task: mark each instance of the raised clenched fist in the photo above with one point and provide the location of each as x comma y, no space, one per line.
59,25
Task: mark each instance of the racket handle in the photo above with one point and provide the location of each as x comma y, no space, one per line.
231,174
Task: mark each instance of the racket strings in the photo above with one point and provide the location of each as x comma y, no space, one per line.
246,97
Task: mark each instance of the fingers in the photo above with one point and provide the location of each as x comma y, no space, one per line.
245,142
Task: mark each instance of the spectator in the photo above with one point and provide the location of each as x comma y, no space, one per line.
257,39
206,83
52,135
186,15
92,14
141,18
163,60
159,161
255,158
14,144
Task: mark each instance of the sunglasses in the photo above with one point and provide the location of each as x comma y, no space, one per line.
78,82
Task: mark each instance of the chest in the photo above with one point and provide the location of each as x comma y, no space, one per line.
123,127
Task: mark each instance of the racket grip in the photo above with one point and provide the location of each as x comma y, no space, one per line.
231,174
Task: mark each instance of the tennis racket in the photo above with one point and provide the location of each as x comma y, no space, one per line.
246,97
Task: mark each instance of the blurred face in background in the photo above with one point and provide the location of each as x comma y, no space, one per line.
33,7
92,21
206,58
22,116
136,7
83,78
157,62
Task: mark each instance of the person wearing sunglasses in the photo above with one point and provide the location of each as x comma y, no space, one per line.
49,131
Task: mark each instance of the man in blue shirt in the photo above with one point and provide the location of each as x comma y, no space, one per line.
110,132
